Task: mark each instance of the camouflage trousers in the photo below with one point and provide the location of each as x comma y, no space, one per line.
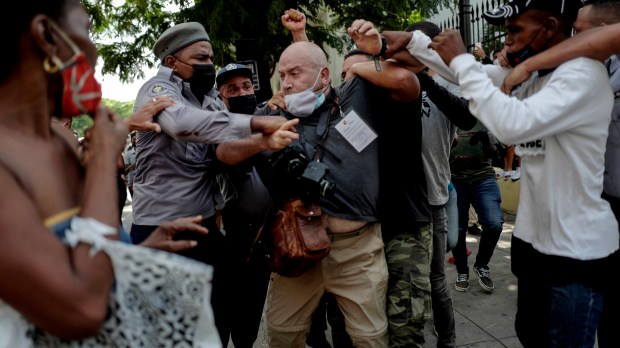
408,257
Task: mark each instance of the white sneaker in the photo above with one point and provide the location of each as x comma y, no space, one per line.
516,175
508,175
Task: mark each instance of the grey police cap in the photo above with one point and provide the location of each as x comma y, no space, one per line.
178,37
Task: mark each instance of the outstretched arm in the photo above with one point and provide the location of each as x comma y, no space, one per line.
402,83
142,119
598,43
455,108
163,237
400,44
448,44
237,151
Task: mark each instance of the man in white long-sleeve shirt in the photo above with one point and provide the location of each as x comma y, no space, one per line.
594,15
565,231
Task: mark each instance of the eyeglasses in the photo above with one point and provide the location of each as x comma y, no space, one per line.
233,89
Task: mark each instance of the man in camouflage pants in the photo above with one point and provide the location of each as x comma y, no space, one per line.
408,258
403,200
405,212
405,221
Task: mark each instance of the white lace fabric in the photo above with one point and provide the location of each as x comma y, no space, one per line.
160,299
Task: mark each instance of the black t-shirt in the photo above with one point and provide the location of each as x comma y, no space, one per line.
355,175
403,193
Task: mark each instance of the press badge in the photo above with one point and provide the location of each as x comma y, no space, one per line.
356,131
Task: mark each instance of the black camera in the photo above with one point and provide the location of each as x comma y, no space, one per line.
307,177
314,177
289,162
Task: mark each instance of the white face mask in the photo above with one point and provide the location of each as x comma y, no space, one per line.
304,103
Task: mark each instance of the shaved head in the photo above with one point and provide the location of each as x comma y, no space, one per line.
303,65
306,52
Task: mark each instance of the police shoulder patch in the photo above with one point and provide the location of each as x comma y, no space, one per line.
157,90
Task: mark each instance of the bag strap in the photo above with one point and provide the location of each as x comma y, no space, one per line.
263,232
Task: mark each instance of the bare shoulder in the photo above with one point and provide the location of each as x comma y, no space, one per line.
47,173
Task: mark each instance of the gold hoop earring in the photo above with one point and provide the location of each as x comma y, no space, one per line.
54,66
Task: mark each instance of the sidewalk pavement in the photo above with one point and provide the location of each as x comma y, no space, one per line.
485,320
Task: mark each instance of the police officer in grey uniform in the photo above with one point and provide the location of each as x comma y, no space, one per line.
242,216
174,173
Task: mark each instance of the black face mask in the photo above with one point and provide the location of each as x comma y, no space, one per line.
523,54
242,104
202,80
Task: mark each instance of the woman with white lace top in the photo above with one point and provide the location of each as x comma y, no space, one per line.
72,287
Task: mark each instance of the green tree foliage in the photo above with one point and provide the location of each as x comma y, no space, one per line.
80,124
239,29
123,109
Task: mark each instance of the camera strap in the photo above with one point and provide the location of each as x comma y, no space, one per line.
322,129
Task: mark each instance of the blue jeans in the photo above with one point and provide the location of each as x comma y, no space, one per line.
557,306
443,312
575,312
485,197
452,210
610,321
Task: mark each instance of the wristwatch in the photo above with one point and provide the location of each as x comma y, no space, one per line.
384,47
377,58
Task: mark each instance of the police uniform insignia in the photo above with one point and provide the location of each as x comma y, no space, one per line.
157,90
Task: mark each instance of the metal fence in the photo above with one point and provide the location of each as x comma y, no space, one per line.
476,28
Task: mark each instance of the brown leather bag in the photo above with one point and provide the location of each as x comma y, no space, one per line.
295,238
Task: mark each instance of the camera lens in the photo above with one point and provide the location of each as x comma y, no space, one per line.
295,167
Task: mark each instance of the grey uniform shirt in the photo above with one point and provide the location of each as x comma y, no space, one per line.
173,176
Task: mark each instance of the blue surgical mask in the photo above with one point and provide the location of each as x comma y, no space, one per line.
304,103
